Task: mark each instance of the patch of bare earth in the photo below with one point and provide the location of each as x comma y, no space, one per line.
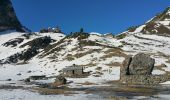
87,83
114,64
47,91
114,52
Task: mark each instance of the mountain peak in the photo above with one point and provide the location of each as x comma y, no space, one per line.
164,16
8,18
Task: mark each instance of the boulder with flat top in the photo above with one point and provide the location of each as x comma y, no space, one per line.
141,64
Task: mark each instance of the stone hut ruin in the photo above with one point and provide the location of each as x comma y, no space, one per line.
73,70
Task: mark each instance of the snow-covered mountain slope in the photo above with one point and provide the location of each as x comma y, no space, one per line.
160,24
152,38
96,53
99,54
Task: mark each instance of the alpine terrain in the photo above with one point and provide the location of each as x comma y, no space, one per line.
33,60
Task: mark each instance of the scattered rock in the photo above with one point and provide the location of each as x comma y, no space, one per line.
9,80
19,74
164,65
53,30
37,77
29,71
98,68
39,43
10,87
61,79
13,42
27,80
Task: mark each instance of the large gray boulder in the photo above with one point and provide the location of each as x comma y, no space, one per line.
125,66
141,64
138,70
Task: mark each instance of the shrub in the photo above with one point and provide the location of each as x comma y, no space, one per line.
121,36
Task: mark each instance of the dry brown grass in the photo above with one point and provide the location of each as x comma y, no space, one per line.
89,64
22,63
79,55
137,89
114,64
163,55
87,83
74,49
98,68
117,98
160,66
56,84
70,57
47,91
113,52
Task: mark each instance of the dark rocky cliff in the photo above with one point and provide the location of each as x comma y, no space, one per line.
8,18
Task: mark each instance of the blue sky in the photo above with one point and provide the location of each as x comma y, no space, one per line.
101,16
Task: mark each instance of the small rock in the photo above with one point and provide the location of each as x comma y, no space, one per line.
29,71
61,79
27,80
9,80
38,77
19,74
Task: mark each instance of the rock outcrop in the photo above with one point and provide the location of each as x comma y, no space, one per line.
140,64
13,42
34,47
138,70
125,66
52,30
8,18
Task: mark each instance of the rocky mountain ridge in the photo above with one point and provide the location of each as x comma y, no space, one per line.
160,24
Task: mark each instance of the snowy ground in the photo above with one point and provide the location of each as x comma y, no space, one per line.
19,94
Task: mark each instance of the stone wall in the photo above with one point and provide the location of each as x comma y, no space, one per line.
144,79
